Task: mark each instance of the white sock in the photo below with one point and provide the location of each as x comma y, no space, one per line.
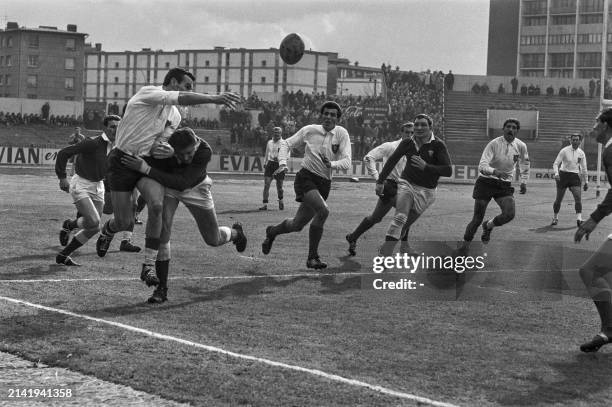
225,233
578,216
127,235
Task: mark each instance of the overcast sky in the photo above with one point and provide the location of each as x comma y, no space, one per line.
411,34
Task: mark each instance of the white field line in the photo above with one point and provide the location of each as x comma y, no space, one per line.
247,277
214,349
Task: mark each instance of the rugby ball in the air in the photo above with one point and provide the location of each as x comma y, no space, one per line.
291,49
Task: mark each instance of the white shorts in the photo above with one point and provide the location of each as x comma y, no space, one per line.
199,195
414,197
81,188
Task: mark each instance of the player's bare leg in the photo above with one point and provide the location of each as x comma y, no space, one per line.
153,193
213,235
123,219
480,208
507,207
89,225
557,205
577,194
266,193
380,210
596,274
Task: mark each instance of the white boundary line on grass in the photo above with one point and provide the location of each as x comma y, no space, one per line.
214,349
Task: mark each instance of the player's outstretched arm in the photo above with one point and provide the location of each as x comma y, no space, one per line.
229,99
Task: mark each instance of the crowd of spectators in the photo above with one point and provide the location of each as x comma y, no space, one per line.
594,89
17,119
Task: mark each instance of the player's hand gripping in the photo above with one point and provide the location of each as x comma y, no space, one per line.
523,188
585,187
418,162
499,174
585,230
162,150
325,160
64,185
379,189
135,164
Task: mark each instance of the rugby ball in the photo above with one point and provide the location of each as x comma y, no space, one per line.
291,49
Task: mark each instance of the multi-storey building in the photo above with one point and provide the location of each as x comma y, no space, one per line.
548,38
41,63
113,77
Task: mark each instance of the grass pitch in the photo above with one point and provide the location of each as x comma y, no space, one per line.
511,339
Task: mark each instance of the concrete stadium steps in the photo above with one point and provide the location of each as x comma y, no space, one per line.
466,114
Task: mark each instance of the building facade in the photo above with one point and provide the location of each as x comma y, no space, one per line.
41,63
113,77
548,38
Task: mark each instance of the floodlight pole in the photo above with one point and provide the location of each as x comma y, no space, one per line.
602,86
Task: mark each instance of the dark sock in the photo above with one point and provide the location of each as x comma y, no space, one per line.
72,246
281,228
388,246
360,230
107,230
161,269
604,308
314,237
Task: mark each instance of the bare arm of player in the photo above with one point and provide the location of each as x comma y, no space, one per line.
524,164
229,99
557,163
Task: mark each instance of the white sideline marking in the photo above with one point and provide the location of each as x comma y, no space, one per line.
245,277
215,349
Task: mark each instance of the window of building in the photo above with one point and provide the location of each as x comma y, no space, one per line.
69,63
32,81
70,44
532,60
589,73
33,61
33,40
591,18
564,20
590,6
207,63
68,97
263,79
589,38
7,80
32,96
263,63
589,59
533,40
560,6
532,73
227,58
534,7
206,79
116,64
116,79
9,42
560,73
1,80
1,60
115,95
3,42
9,60
561,39
167,64
69,83
533,21
561,59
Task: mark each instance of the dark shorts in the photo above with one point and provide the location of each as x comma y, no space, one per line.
568,179
272,166
486,189
389,191
306,181
119,177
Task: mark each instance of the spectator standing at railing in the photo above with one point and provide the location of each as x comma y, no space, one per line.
514,83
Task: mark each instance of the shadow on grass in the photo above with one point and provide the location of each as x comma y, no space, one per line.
201,295
583,376
237,212
551,228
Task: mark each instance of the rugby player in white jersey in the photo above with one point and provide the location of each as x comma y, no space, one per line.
149,112
570,169
327,147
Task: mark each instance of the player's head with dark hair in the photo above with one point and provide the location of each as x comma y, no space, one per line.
330,104
110,123
603,125
330,114
407,129
512,120
185,144
426,117
109,118
605,116
575,140
183,79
